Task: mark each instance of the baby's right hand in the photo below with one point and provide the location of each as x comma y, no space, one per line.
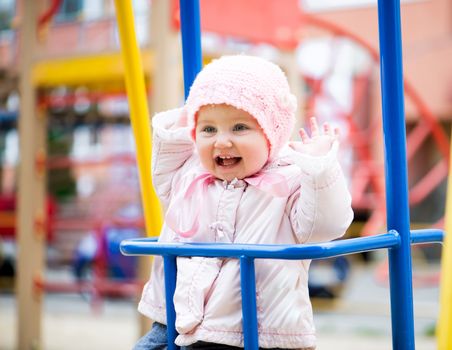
181,122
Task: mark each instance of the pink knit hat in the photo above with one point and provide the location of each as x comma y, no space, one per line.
252,84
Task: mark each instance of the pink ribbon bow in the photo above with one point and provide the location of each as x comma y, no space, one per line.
266,181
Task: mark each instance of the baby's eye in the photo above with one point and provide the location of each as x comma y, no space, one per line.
240,127
209,129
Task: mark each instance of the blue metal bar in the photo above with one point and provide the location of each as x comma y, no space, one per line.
427,236
149,246
170,269
145,246
248,286
191,41
192,63
391,71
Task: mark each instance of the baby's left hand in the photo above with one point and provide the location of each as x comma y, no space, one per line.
320,141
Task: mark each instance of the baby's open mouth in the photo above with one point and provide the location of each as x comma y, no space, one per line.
227,160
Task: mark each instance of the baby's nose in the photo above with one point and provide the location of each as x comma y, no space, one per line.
223,140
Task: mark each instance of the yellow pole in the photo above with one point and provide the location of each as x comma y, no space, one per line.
444,333
139,114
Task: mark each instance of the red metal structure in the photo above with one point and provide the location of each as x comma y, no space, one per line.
368,172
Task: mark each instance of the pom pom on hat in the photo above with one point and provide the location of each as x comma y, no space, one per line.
249,83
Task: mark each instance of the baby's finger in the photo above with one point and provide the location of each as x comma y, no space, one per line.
314,127
304,135
327,129
337,132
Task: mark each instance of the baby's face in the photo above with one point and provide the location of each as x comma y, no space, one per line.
230,142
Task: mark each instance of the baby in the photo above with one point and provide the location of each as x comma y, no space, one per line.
225,171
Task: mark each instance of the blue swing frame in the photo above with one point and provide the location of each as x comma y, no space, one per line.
397,240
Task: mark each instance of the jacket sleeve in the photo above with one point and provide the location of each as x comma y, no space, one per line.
320,210
170,151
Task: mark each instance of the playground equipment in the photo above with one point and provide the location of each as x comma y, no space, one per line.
31,215
397,240
102,271
31,182
367,185
367,173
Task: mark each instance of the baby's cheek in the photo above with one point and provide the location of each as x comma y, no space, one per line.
206,160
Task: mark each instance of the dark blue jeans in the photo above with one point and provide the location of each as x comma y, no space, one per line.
155,339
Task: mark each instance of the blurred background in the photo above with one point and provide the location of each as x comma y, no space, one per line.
69,190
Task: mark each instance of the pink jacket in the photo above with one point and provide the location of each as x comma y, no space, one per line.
315,208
